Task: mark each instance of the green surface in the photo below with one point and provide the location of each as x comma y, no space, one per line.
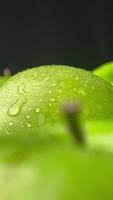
30,100
3,79
105,71
48,172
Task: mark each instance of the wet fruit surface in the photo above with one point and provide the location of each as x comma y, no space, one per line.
31,99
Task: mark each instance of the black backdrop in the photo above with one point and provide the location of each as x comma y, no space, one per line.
78,33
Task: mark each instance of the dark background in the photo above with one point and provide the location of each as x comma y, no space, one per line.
78,33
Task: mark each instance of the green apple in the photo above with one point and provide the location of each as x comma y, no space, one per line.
33,168
47,172
105,71
3,79
30,100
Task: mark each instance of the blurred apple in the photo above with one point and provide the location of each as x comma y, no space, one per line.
105,71
60,172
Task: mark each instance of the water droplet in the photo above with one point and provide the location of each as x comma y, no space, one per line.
53,84
0,108
10,123
36,84
50,104
82,92
28,125
35,75
37,110
52,99
28,116
21,124
75,89
21,90
50,91
16,107
30,109
77,78
59,91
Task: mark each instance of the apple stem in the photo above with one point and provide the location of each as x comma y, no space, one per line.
72,111
7,72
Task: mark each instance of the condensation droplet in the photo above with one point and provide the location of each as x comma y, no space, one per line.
16,107
82,92
37,110
10,123
77,78
53,84
75,89
50,104
50,91
35,84
59,91
28,125
21,124
28,116
21,90
30,109
52,99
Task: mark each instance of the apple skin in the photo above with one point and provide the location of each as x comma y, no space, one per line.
3,79
57,172
105,71
30,100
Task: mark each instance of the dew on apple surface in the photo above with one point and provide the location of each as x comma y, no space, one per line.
21,90
16,107
77,78
53,84
10,123
59,91
75,89
28,125
28,116
35,85
37,110
52,99
82,92
50,92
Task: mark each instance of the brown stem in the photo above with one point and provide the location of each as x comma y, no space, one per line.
72,111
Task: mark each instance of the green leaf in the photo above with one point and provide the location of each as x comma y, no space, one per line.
105,71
